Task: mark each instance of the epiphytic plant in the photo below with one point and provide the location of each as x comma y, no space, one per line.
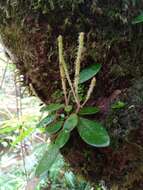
63,118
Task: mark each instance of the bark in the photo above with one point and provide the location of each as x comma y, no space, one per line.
29,32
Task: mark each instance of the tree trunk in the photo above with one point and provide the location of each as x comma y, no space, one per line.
29,31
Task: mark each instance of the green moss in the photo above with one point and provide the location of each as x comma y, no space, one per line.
29,29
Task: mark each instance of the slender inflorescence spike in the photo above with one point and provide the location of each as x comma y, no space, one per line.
62,73
90,90
78,61
60,42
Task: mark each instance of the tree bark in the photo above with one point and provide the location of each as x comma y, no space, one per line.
29,32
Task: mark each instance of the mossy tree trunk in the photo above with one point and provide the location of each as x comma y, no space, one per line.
29,31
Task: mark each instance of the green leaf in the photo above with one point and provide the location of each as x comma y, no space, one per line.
62,138
71,122
138,19
89,72
52,107
118,105
68,108
9,126
70,180
8,129
25,133
46,121
89,110
93,133
54,127
47,160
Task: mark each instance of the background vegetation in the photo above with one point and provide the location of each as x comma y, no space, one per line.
20,151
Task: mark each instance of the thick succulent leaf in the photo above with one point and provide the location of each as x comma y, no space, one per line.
89,72
54,127
71,122
46,121
89,110
93,133
47,160
138,19
62,138
52,107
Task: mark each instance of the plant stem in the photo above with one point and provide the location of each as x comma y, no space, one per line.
69,96
4,74
90,90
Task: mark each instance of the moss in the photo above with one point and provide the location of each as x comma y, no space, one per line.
119,165
29,31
